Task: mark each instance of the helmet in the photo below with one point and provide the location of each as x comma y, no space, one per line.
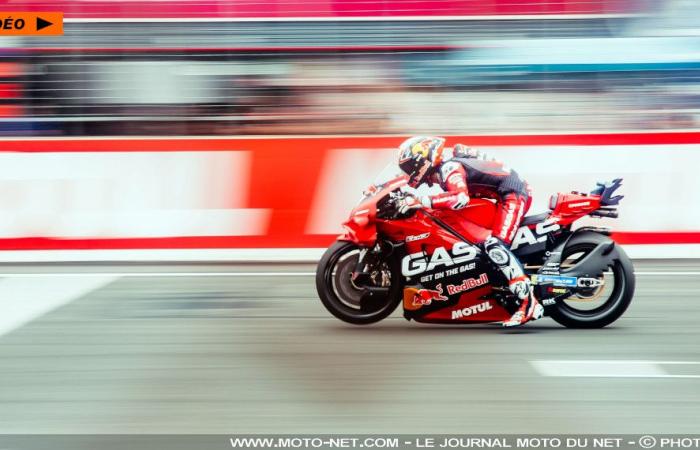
418,156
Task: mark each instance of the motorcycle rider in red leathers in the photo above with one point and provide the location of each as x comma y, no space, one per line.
462,172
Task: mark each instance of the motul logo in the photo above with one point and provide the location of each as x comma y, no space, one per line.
469,283
471,310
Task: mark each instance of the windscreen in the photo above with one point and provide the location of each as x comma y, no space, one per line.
388,173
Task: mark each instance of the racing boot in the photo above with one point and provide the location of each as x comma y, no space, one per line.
530,309
518,282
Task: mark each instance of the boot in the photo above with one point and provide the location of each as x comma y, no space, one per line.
518,282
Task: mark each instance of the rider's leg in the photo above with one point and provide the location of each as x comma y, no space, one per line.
512,208
518,283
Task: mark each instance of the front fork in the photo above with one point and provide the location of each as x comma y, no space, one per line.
369,262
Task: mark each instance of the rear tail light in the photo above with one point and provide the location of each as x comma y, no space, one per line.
553,201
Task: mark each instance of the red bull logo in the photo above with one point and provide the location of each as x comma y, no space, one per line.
424,297
468,284
414,298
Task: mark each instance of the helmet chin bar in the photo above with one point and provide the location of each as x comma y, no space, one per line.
420,174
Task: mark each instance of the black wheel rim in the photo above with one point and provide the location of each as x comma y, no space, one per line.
610,299
346,295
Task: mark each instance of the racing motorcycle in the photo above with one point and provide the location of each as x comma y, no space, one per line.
431,261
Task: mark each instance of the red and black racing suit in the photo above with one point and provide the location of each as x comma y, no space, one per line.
461,178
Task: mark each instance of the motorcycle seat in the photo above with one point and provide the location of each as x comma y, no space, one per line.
535,218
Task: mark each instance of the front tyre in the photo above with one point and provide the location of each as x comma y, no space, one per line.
596,307
343,298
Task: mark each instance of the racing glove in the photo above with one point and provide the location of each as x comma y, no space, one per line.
410,202
463,151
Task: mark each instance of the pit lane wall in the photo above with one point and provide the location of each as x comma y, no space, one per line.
283,198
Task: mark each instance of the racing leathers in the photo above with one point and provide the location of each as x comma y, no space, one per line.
462,177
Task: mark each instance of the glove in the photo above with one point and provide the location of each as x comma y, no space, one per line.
467,152
410,203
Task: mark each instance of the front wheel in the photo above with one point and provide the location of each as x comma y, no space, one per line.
344,297
598,306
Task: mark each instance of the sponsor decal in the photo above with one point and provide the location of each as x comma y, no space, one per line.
590,282
508,220
468,284
526,236
417,237
554,290
416,263
424,297
471,310
447,273
548,302
576,205
556,280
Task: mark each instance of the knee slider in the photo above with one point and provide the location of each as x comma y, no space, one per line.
496,251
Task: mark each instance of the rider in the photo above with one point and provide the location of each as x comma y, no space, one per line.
462,172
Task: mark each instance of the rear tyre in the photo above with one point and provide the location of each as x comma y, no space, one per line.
343,298
619,278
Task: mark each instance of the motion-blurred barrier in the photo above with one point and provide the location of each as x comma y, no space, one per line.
281,9
294,192
355,67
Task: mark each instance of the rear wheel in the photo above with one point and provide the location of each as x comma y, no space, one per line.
345,298
607,299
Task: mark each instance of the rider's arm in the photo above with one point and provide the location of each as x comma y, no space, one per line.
453,179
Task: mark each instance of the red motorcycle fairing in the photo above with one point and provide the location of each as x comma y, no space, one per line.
446,278
572,206
361,227
565,209
454,294
473,222
474,306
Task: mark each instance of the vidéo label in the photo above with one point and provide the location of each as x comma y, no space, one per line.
31,23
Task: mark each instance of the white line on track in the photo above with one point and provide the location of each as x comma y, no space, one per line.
22,300
610,368
668,273
230,274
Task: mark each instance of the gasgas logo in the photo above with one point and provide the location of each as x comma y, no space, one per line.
416,263
471,310
526,236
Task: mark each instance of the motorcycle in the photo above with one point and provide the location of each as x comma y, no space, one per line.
432,261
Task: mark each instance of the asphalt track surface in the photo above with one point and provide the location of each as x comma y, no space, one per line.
205,353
